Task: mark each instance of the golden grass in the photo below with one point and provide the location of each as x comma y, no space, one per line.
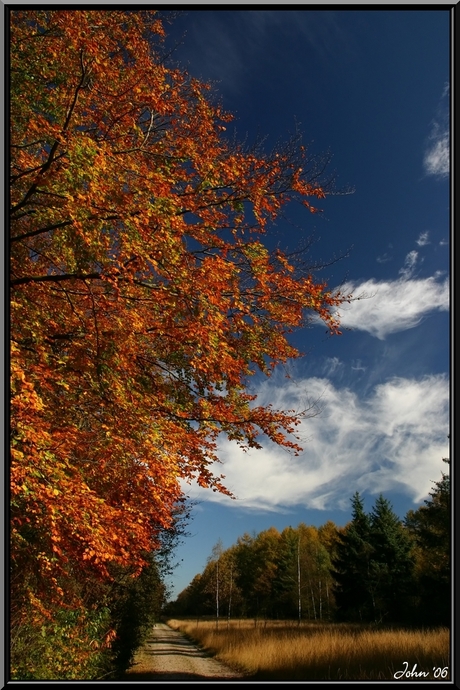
283,650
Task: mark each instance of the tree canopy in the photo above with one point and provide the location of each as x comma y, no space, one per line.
375,570
143,295
431,528
351,566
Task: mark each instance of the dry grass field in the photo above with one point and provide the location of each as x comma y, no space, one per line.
283,650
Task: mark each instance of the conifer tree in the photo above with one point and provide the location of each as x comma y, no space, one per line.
430,526
391,565
351,567
285,585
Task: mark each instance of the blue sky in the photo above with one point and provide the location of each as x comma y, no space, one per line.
371,87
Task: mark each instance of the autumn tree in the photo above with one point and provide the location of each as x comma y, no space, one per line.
218,583
314,571
142,293
256,558
265,566
190,601
266,575
328,535
214,584
230,593
302,580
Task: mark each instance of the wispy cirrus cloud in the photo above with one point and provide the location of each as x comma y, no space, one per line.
409,264
394,305
423,239
437,151
332,365
385,307
436,160
393,439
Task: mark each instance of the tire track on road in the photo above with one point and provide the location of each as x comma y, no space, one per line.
168,655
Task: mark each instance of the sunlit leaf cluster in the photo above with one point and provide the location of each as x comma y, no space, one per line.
143,295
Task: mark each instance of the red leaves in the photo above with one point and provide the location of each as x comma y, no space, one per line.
143,295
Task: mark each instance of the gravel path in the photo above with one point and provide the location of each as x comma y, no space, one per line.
168,655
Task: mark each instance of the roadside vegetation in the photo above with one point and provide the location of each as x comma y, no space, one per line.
284,650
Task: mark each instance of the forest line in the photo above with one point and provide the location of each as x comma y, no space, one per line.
377,569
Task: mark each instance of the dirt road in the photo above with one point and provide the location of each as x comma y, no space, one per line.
168,655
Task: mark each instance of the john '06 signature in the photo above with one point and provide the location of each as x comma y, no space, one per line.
437,672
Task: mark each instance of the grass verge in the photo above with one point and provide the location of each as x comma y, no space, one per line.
283,650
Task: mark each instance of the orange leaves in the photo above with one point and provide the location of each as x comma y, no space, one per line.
143,295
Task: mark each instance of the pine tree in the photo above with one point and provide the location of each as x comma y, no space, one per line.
351,567
430,526
391,579
286,581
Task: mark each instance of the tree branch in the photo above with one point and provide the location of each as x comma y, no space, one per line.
55,278
46,166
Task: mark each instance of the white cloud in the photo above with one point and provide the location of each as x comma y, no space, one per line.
392,440
332,365
409,264
436,157
391,306
384,258
423,239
